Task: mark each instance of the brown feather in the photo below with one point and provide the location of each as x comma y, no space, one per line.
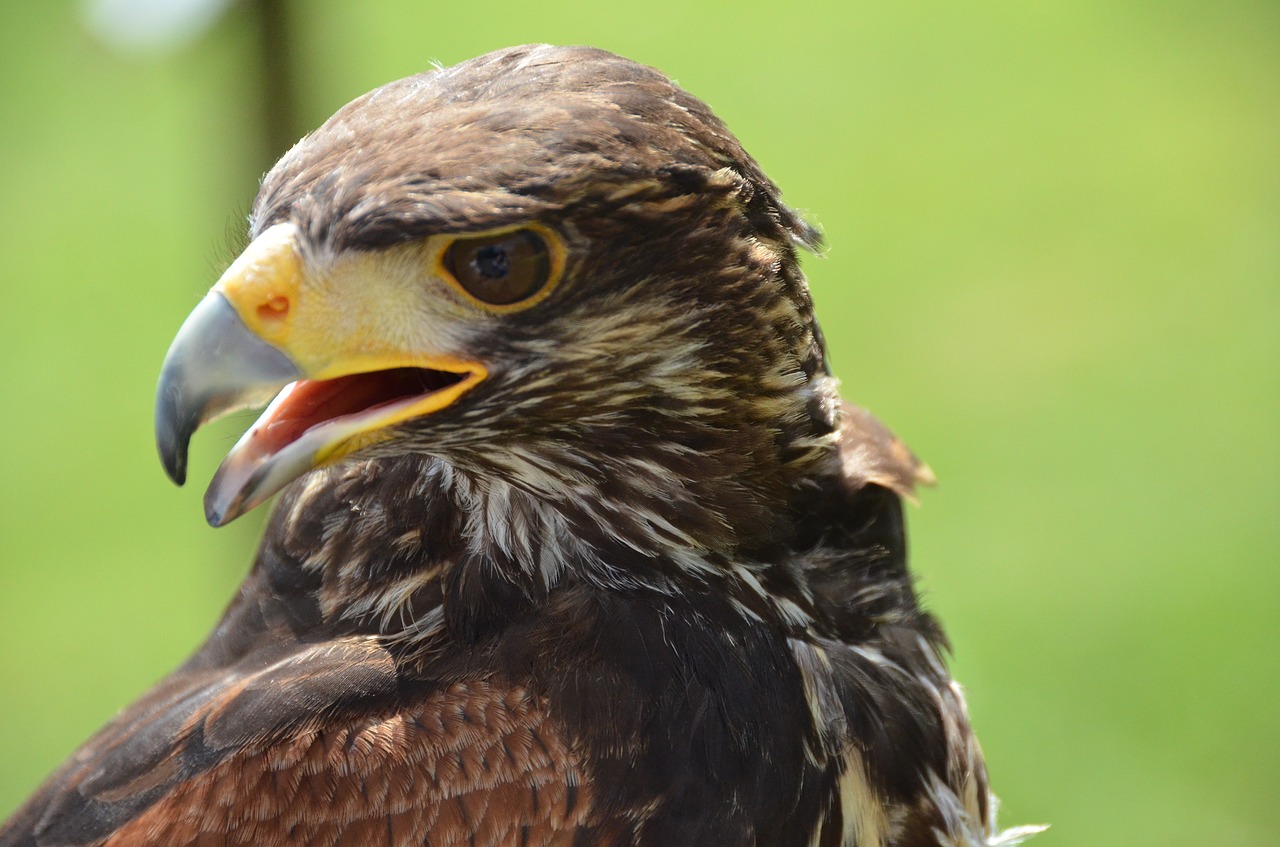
475,763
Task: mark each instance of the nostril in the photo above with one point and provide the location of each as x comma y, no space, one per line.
274,308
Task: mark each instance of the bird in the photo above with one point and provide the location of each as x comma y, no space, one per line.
576,543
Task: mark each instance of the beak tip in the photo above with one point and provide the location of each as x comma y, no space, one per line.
176,473
219,510
171,446
213,514
215,365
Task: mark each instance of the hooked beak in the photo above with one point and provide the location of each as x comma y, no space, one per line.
214,367
263,332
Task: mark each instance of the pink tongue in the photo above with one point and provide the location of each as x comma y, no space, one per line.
313,402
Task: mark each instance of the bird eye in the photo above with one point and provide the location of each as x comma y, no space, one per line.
500,269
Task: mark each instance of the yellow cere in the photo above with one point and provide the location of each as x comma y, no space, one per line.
263,284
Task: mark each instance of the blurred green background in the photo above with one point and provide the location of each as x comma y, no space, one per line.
1054,267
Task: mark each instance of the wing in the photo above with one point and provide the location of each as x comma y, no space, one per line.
474,763
872,455
908,768
857,569
319,743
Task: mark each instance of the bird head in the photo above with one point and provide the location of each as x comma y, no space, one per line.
546,265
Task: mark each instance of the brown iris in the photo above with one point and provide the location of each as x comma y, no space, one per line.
500,269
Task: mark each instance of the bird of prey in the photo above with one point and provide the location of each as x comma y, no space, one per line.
577,543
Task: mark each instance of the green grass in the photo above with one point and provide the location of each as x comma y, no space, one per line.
1053,266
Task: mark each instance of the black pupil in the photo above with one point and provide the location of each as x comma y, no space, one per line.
492,261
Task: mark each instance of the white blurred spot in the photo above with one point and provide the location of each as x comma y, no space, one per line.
151,25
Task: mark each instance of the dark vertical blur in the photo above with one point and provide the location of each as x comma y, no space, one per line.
276,80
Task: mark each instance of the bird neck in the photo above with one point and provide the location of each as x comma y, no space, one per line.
415,546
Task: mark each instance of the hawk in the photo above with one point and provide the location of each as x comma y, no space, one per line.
577,543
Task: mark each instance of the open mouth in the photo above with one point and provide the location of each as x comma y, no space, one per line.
305,404
312,423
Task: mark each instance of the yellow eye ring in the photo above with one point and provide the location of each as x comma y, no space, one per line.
503,270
